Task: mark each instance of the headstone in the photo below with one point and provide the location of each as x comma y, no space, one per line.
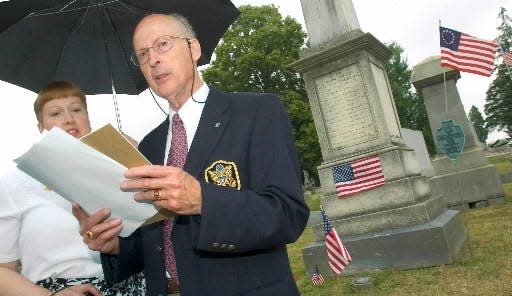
416,141
399,224
470,178
506,178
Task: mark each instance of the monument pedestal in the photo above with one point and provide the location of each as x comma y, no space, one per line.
430,244
470,179
399,224
405,199
355,118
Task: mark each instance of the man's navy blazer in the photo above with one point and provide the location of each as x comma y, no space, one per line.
243,155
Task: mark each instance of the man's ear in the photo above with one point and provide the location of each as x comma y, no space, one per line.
195,48
40,127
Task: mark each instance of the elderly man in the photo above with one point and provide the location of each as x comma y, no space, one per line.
231,175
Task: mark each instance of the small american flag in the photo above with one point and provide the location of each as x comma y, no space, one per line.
507,58
317,279
466,53
360,175
338,255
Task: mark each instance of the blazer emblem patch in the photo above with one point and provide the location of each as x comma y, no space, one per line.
223,173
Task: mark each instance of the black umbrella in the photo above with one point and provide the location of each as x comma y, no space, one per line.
89,42
14,10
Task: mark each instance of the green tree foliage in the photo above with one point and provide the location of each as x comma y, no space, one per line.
253,56
410,107
498,104
478,122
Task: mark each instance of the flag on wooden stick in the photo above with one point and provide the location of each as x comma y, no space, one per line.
317,279
466,53
338,255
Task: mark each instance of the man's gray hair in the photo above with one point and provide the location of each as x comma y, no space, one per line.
186,24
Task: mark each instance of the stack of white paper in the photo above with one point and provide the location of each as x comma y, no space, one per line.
82,174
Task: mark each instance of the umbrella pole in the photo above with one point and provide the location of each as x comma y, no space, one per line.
109,66
116,108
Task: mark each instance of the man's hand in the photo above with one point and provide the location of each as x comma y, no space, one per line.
166,186
98,233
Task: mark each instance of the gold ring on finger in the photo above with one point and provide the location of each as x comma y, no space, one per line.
90,235
156,195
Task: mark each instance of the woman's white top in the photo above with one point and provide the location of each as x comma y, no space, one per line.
38,228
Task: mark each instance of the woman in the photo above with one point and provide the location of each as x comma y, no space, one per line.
41,252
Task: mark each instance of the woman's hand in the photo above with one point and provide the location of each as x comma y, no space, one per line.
98,231
79,290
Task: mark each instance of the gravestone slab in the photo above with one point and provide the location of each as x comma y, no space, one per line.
415,140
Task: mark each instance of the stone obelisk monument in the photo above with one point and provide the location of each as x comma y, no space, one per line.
472,180
400,224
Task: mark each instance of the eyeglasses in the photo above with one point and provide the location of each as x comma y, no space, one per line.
161,45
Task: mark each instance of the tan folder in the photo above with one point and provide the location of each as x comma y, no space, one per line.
113,144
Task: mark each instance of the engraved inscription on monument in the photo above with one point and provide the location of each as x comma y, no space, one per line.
343,101
386,101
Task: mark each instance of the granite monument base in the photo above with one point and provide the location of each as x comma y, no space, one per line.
431,244
463,184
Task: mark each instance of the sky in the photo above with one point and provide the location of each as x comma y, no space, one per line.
412,24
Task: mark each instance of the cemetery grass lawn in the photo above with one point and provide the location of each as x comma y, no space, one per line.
483,266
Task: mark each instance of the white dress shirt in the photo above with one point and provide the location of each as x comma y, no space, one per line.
190,114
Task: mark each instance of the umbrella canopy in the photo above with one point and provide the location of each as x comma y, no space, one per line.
90,42
14,10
